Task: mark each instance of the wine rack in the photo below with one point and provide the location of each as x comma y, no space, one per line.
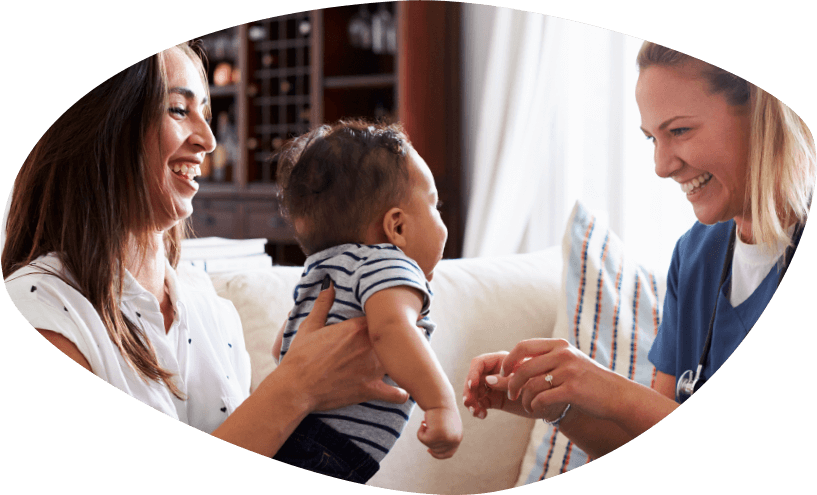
276,78
279,90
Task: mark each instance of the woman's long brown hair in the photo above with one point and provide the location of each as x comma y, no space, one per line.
84,193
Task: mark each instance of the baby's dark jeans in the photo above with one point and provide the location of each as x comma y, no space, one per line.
317,447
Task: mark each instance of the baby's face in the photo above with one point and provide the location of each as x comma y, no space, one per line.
425,231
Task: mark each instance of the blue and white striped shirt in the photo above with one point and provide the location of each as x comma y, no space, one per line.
358,271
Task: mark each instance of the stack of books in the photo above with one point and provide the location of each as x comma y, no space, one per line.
217,254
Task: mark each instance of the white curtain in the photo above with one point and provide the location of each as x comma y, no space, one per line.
552,120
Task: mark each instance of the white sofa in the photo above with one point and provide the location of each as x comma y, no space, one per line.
481,305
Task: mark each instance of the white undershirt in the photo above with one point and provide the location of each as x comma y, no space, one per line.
750,265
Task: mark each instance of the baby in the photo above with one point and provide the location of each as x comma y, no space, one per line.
365,210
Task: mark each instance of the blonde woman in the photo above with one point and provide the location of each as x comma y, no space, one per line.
93,232
746,163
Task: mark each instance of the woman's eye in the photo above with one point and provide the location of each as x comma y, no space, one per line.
182,112
674,132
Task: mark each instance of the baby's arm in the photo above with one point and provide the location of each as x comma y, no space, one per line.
407,358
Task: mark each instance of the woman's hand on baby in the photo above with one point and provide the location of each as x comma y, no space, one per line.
441,432
335,366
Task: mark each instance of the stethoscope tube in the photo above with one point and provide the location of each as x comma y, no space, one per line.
690,382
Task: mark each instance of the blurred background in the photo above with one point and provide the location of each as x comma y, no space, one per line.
518,115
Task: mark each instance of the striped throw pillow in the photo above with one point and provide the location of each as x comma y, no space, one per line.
610,308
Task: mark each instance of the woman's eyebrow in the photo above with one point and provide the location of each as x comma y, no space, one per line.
187,93
666,123
669,121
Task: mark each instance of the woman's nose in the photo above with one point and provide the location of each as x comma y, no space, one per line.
666,161
203,136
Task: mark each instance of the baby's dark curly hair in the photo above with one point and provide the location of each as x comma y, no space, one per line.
337,179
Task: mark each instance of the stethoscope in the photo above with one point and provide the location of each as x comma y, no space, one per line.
690,382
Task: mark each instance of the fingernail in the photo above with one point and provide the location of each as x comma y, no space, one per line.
326,281
471,409
469,383
491,380
481,415
509,395
502,371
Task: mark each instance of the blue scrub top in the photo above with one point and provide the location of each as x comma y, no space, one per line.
692,286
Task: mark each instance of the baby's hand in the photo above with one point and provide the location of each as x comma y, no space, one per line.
441,432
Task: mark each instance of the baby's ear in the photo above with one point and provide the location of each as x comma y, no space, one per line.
394,224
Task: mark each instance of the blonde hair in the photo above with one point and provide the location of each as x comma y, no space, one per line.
782,164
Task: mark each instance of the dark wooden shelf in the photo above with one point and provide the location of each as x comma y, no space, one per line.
355,82
292,80
229,91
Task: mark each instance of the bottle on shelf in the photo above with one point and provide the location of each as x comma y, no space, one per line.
226,152
384,32
360,29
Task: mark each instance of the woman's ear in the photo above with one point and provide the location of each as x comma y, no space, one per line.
394,225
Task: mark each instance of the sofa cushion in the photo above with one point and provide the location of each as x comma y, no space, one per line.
480,305
263,299
609,308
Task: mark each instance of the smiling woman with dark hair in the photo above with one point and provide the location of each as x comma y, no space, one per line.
93,235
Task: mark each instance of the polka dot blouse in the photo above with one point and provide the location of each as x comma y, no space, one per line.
204,347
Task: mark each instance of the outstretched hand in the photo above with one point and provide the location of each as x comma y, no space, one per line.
551,373
538,378
478,396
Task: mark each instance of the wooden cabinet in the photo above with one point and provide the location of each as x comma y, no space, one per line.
221,218
276,78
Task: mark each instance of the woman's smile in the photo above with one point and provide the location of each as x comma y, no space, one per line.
186,169
695,185
186,185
